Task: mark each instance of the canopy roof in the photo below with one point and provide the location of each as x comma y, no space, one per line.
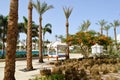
56,44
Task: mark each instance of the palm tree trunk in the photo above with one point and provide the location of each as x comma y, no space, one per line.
11,41
107,33
29,38
43,43
40,40
67,34
115,37
101,31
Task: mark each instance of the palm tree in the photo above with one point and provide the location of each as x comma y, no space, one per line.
61,37
12,34
67,12
106,28
115,24
41,8
21,27
29,37
48,29
25,24
3,25
102,24
24,27
34,30
35,34
85,25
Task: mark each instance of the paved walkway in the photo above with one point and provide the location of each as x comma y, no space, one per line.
20,65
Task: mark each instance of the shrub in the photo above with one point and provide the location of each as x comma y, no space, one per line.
50,77
111,78
45,72
56,70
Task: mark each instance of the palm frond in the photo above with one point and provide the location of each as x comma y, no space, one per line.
107,27
115,23
41,7
25,21
67,11
102,22
48,7
47,28
48,25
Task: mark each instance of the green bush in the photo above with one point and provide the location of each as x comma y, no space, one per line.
51,77
45,72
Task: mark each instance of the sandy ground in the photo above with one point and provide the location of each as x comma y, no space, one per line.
20,74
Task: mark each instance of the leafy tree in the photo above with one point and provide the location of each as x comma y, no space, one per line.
41,8
86,39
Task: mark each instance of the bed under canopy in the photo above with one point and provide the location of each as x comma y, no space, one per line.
56,49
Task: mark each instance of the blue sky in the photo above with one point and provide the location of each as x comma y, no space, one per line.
93,10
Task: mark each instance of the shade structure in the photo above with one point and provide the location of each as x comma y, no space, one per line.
97,49
56,44
56,47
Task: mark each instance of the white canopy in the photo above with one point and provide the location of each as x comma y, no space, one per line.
97,49
56,46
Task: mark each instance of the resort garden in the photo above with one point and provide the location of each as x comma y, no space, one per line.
89,67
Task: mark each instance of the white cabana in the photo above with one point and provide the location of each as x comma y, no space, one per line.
55,49
97,49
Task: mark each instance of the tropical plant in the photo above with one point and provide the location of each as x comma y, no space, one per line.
85,25
67,12
12,34
25,23
61,37
35,30
20,27
102,23
29,37
41,8
115,24
106,28
23,27
48,29
3,27
35,35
